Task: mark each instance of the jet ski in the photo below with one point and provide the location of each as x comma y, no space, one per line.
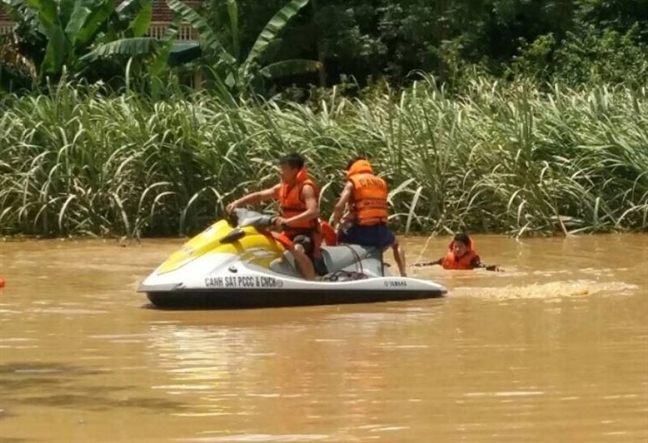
238,262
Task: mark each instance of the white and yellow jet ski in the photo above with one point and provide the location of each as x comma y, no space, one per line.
244,265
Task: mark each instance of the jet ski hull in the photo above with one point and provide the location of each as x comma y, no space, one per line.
256,298
247,267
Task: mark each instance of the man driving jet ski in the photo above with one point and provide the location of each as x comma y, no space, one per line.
298,197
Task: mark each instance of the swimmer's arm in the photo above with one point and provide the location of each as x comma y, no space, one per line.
428,263
477,264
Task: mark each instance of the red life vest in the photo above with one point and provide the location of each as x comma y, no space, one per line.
369,206
462,263
328,234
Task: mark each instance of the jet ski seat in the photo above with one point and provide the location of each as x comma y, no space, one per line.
336,258
340,257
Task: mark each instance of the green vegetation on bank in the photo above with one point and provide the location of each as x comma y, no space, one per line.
269,46
496,157
531,117
566,41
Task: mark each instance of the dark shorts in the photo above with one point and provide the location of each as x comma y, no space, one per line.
378,236
307,241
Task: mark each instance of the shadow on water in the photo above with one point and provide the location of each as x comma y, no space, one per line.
91,402
62,385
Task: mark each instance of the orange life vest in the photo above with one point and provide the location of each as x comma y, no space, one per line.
462,263
369,206
292,204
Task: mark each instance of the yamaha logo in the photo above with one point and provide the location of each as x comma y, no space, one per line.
396,283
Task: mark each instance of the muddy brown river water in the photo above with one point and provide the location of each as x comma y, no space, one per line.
555,349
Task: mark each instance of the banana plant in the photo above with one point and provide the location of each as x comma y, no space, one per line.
241,74
157,50
72,27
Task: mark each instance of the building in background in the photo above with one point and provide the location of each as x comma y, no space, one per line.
185,47
6,25
160,20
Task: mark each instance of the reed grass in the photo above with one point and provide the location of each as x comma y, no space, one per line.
505,158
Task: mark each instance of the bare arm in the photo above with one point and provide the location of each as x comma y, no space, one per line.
477,264
312,207
255,197
428,263
341,204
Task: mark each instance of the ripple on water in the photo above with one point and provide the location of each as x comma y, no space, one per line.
504,394
8,311
258,437
68,311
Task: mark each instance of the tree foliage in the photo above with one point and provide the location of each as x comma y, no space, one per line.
575,40
264,45
232,71
55,36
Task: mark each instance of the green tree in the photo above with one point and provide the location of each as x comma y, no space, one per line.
617,15
61,33
230,69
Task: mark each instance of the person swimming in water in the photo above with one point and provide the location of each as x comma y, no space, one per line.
461,256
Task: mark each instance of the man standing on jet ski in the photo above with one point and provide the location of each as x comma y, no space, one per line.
298,196
365,196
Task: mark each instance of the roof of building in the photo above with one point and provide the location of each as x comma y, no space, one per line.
161,12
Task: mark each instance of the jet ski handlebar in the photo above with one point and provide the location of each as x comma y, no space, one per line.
244,217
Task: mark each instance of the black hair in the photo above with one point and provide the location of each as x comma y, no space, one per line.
353,160
294,160
463,238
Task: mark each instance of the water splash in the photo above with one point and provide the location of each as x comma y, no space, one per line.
551,290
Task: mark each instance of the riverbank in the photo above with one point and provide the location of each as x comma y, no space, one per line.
499,158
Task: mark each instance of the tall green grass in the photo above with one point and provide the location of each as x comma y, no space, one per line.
497,158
